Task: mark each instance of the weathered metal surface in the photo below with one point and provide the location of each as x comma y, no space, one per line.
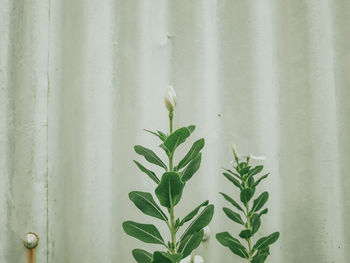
23,126
80,79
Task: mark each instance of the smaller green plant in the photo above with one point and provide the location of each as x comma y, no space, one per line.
244,178
168,190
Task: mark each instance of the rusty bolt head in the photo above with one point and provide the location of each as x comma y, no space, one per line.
30,240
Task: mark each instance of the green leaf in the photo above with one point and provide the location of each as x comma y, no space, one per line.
162,146
191,128
191,169
149,156
145,202
161,135
150,174
192,153
255,222
235,174
199,222
233,202
266,241
250,182
259,259
193,213
263,212
144,232
176,138
260,201
170,189
233,244
242,168
261,255
260,179
190,243
152,132
164,257
142,256
246,195
255,170
233,216
177,223
233,180
245,234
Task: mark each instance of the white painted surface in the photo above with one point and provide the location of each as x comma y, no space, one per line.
80,79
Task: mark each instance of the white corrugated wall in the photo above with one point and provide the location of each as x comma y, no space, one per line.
80,79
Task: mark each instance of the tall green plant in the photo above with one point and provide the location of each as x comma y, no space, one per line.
168,190
244,178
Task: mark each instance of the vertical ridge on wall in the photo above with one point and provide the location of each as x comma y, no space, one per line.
48,248
86,105
295,133
24,127
5,119
266,112
235,92
67,126
208,83
116,83
340,25
323,119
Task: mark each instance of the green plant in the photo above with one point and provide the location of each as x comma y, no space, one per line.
168,190
244,178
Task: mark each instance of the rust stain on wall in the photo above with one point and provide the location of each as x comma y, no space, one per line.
31,255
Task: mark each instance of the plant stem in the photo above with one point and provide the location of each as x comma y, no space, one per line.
171,210
172,229
170,163
171,115
171,131
250,228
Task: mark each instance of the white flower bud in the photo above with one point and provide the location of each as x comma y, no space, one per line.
192,259
234,150
170,99
206,235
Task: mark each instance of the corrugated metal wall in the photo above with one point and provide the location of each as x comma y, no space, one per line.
80,79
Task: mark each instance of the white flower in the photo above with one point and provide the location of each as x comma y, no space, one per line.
250,156
258,158
170,99
246,155
206,235
192,259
